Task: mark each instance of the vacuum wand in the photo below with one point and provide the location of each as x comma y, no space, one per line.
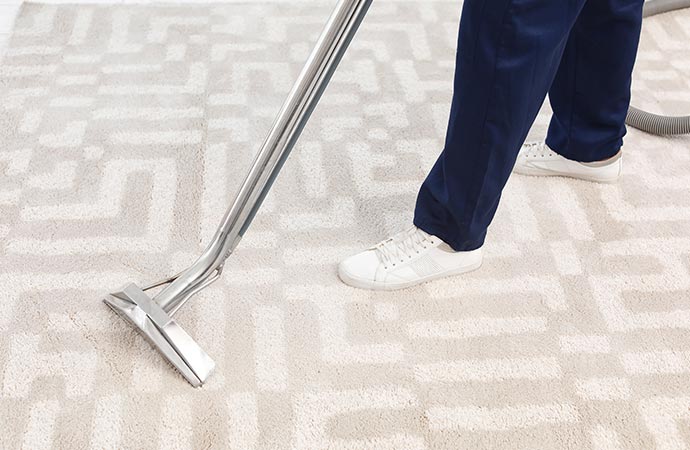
282,137
153,316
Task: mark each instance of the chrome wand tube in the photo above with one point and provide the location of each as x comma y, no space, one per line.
293,116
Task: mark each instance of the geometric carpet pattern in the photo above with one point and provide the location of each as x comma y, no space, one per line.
126,132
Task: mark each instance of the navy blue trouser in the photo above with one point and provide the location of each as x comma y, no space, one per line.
510,54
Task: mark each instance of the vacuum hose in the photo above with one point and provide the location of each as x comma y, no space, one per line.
655,123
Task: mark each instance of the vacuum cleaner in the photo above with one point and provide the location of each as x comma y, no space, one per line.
153,315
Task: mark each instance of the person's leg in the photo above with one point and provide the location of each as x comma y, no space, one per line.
590,94
507,57
508,53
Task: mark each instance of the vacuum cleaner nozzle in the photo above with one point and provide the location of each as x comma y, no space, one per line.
132,304
153,316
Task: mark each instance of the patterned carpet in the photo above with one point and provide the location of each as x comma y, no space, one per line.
126,131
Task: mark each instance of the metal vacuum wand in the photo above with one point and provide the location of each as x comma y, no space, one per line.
153,316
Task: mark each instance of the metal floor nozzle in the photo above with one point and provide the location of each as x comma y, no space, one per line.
133,305
152,316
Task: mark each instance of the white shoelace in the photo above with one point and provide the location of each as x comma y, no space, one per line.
403,246
537,150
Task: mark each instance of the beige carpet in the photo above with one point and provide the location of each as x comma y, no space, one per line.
125,131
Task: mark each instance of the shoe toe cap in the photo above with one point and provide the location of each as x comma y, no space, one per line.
362,266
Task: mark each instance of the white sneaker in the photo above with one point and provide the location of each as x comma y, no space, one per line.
538,159
408,258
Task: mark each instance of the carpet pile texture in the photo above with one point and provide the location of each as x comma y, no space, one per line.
125,132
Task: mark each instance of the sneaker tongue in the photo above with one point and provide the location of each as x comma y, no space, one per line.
424,233
388,249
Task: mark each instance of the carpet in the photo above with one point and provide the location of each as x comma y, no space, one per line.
126,131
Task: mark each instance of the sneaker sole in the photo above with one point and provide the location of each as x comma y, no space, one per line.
379,286
547,173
